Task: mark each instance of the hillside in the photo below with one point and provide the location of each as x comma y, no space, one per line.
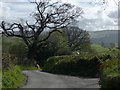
105,36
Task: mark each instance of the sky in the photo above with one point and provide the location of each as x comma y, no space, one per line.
97,16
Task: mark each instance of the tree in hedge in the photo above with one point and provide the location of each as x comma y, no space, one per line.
49,16
56,45
78,39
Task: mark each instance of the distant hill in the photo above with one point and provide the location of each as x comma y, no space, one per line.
105,36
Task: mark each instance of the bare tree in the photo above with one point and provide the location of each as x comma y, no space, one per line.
49,16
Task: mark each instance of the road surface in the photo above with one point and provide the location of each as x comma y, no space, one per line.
38,79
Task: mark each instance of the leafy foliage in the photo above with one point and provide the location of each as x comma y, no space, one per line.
55,45
59,44
12,78
110,74
110,70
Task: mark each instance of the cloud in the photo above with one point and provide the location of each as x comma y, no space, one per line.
14,1
96,15
13,11
4,11
99,17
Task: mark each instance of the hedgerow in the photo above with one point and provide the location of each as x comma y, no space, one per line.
87,65
82,65
110,74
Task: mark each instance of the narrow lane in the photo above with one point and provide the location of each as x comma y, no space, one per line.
38,79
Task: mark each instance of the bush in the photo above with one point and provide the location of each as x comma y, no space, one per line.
83,65
110,74
12,78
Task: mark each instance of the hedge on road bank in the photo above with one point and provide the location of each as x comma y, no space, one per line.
82,65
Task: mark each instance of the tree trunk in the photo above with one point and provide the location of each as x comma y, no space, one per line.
31,53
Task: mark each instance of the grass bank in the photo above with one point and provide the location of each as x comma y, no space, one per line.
29,68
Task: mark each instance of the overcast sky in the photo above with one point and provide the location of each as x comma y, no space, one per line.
97,16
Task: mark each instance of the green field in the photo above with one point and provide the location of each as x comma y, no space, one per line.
98,48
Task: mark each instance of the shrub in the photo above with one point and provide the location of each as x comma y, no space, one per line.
110,74
12,78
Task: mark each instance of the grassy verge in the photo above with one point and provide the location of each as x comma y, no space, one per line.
29,68
12,78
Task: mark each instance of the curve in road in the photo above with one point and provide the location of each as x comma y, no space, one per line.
38,79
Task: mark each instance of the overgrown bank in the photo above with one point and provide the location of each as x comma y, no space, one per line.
110,74
12,78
